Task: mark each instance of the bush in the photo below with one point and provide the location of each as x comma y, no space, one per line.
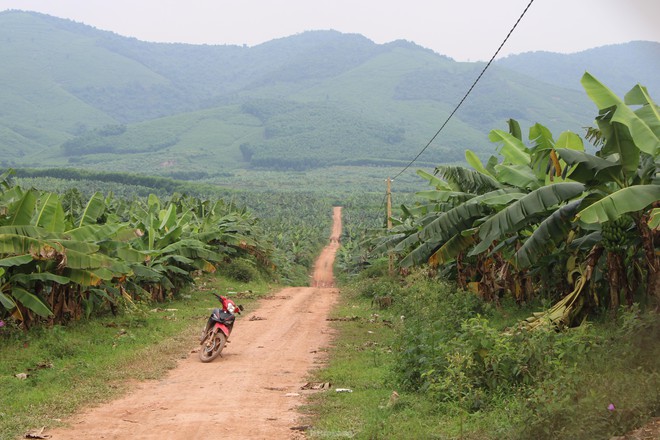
554,385
433,313
241,269
605,391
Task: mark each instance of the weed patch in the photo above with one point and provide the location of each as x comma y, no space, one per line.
463,369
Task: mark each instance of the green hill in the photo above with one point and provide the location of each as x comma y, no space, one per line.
72,95
620,66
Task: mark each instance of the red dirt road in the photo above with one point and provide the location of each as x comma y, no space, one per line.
251,392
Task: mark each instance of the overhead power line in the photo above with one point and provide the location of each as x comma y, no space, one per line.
467,93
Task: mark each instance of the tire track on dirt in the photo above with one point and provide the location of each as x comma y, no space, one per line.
251,392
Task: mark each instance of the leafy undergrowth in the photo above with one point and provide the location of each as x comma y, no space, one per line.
432,362
47,374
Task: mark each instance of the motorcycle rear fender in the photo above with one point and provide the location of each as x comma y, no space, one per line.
223,328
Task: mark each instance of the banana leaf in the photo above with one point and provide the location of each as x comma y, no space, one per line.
170,236
631,199
520,176
83,247
389,242
93,210
443,196
204,265
22,244
654,221
28,231
503,199
180,259
85,277
570,141
147,273
51,214
4,179
454,246
619,144
177,270
83,260
421,254
467,180
7,302
123,251
31,301
190,248
512,148
550,231
514,128
17,260
168,220
22,210
524,211
449,223
100,293
473,160
541,137
95,232
589,169
641,130
435,181
27,279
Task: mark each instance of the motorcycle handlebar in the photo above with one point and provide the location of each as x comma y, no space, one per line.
240,306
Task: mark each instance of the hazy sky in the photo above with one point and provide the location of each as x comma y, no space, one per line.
462,29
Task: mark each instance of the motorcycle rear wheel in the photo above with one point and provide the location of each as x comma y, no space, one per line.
212,346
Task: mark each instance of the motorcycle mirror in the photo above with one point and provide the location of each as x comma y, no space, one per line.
241,308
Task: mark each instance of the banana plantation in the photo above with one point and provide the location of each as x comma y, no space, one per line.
63,258
570,219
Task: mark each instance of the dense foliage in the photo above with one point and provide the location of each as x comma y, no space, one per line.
463,368
64,256
551,219
295,222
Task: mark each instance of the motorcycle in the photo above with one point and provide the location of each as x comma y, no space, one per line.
218,328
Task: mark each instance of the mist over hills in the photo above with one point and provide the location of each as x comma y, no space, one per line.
72,95
619,66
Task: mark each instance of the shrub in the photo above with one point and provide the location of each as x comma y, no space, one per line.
621,371
433,314
241,269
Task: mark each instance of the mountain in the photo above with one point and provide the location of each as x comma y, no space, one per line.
619,66
72,95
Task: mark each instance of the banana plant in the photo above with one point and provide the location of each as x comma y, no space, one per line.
49,263
549,198
621,178
61,257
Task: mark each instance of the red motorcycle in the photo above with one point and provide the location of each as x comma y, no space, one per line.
218,328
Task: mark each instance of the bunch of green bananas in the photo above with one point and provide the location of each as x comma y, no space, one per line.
615,233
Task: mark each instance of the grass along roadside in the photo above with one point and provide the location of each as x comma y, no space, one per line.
92,361
362,360
448,370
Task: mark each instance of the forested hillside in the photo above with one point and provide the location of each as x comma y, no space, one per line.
618,66
76,96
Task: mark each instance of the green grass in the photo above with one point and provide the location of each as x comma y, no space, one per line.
576,375
359,361
93,361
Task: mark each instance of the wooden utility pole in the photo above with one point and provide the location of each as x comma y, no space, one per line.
389,224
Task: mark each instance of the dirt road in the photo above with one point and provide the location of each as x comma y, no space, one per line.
252,392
